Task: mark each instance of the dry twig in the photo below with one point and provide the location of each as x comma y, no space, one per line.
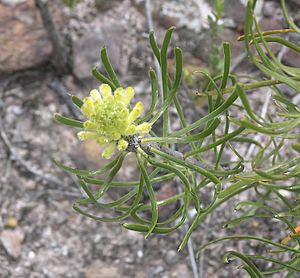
61,91
61,58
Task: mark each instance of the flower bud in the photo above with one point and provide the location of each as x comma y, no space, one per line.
109,151
122,145
105,90
85,135
143,128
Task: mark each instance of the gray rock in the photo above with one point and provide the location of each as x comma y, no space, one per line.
237,14
291,58
181,270
12,2
269,8
24,41
11,241
102,270
171,257
158,270
104,5
87,53
4,273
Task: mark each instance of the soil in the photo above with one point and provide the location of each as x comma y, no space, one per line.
40,234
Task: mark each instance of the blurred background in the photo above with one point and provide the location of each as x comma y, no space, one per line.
47,50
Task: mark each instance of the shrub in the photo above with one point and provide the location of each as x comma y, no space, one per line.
162,155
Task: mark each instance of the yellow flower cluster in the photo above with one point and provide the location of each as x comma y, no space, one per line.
110,121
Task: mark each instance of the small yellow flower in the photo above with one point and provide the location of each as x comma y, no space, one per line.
122,145
110,119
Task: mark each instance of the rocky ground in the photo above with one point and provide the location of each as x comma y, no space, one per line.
40,234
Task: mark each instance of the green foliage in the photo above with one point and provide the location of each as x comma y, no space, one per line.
219,8
159,159
71,3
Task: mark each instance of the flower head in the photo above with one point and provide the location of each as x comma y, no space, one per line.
110,120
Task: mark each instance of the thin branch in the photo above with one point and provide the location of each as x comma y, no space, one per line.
203,240
192,254
180,155
190,243
61,91
65,193
61,59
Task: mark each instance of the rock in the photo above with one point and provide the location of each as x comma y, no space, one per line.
180,270
4,273
237,48
140,254
166,191
24,42
115,37
87,53
188,40
269,8
129,260
171,257
128,172
140,5
88,155
292,58
226,35
11,241
140,274
104,5
12,2
237,14
189,14
11,222
36,275
102,270
167,21
270,24
158,270
294,2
